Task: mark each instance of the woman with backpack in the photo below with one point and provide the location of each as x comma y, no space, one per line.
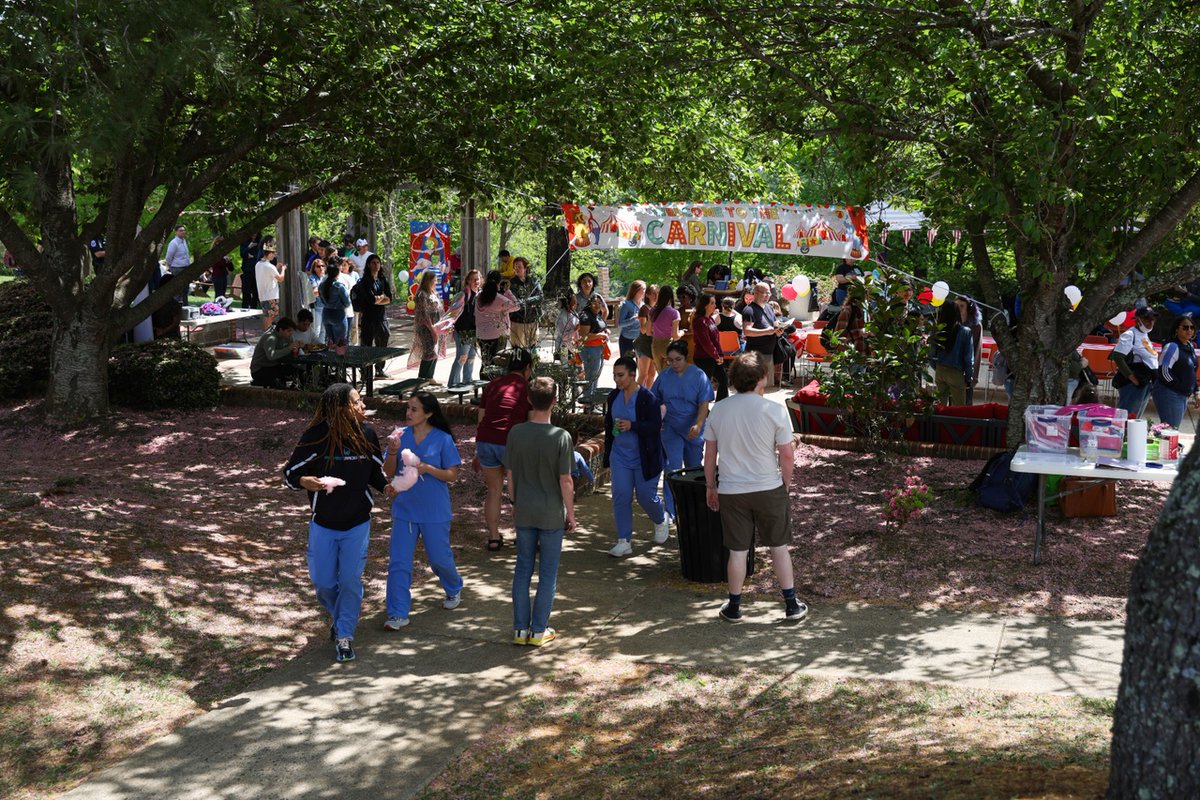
336,300
952,354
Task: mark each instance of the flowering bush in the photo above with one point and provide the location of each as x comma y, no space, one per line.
906,502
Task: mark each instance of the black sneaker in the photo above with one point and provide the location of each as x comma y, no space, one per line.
729,616
795,611
345,649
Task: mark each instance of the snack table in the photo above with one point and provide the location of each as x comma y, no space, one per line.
1071,464
231,318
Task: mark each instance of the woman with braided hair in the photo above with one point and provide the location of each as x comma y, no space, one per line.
338,460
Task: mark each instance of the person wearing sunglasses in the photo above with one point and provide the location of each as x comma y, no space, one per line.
1176,374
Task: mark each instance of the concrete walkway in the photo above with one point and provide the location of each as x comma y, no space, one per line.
388,723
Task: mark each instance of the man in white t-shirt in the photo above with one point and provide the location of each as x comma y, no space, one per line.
359,257
304,333
268,277
751,438
1137,362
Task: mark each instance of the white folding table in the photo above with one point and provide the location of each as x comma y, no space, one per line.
1071,464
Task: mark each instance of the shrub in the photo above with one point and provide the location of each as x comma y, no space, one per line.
25,330
166,373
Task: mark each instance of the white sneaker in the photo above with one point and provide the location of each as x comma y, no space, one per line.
395,623
452,601
622,548
662,530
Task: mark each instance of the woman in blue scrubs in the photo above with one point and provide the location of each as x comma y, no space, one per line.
686,391
424,509
633,453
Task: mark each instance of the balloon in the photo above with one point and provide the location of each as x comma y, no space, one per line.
788,291
1074,295
403,276
1118,320
803,287
941,290
936,302
412,305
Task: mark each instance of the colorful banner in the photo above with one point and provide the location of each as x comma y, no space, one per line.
803,229
428,248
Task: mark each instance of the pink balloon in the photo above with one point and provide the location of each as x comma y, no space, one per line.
788,291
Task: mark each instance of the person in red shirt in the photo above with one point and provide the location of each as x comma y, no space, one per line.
708,355
505,404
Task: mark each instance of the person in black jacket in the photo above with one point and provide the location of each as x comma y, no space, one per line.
372,296
337,459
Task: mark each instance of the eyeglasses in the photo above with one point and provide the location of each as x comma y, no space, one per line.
1187,327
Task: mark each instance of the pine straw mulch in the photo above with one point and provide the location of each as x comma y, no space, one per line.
607,729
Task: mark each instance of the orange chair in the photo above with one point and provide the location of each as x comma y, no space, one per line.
1103,367
1095,340
730,343
814,352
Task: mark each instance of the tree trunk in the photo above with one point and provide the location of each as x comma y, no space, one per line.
1156,725
78,368
558,255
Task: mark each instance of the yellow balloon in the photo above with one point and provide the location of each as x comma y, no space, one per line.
937,301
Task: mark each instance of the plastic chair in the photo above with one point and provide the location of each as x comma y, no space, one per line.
730,343
814,352
1100,363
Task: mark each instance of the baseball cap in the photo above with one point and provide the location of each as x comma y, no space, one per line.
1146,312
361,243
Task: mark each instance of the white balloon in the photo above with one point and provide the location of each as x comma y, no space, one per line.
1119,319
941,290
1074,295
403,276
802,285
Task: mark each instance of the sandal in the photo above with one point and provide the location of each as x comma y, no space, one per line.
495,544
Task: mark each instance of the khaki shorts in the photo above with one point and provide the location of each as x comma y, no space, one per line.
768,513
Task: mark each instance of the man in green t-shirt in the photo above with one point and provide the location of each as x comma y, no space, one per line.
539,457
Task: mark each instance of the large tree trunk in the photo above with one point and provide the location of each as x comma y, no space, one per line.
78,368
1156,726
558,254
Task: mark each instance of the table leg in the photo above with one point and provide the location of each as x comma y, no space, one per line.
1040,535
369,379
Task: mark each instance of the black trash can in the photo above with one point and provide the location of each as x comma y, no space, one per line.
702,556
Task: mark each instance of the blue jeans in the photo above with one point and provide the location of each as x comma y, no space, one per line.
465,349
335,564
335,327
1133,399
681,452
1171,405
546,547
593,362
318,324
626,483
436,536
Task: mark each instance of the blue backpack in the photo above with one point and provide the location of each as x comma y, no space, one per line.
999,488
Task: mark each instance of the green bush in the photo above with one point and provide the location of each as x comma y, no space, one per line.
25,330
166,373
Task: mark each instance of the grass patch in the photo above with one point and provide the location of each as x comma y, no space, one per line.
607,729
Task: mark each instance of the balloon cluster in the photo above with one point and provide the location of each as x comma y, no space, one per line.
799,287
941,290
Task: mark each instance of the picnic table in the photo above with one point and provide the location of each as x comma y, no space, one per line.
231,318
1071,463
356,359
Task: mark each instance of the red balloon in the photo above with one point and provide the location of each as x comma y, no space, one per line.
788,291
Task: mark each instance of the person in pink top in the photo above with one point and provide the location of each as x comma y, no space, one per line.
492,308
664,326
708,356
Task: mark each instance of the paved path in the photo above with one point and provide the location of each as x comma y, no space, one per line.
388,723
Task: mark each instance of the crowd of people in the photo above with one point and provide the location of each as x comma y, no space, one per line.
339,460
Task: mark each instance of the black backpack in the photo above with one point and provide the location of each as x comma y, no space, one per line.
999,488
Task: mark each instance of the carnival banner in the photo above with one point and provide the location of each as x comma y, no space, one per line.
428,248
804,229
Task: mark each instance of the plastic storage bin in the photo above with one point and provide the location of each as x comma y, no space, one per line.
1102,436
1046,430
